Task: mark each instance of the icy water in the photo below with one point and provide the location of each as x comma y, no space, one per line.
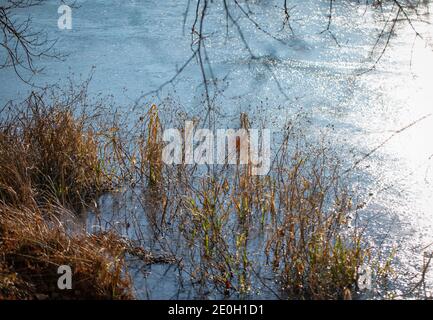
135,46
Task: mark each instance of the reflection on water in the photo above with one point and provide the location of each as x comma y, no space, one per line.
136,46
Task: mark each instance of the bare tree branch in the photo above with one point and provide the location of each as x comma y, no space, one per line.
21,43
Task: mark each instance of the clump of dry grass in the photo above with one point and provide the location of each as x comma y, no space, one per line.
50,160
34,244
15,178
48,153
151,155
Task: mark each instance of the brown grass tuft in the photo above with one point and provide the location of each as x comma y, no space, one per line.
33,245
48,153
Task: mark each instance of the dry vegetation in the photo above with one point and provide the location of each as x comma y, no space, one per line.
51,154
34,243
56,161
49,162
